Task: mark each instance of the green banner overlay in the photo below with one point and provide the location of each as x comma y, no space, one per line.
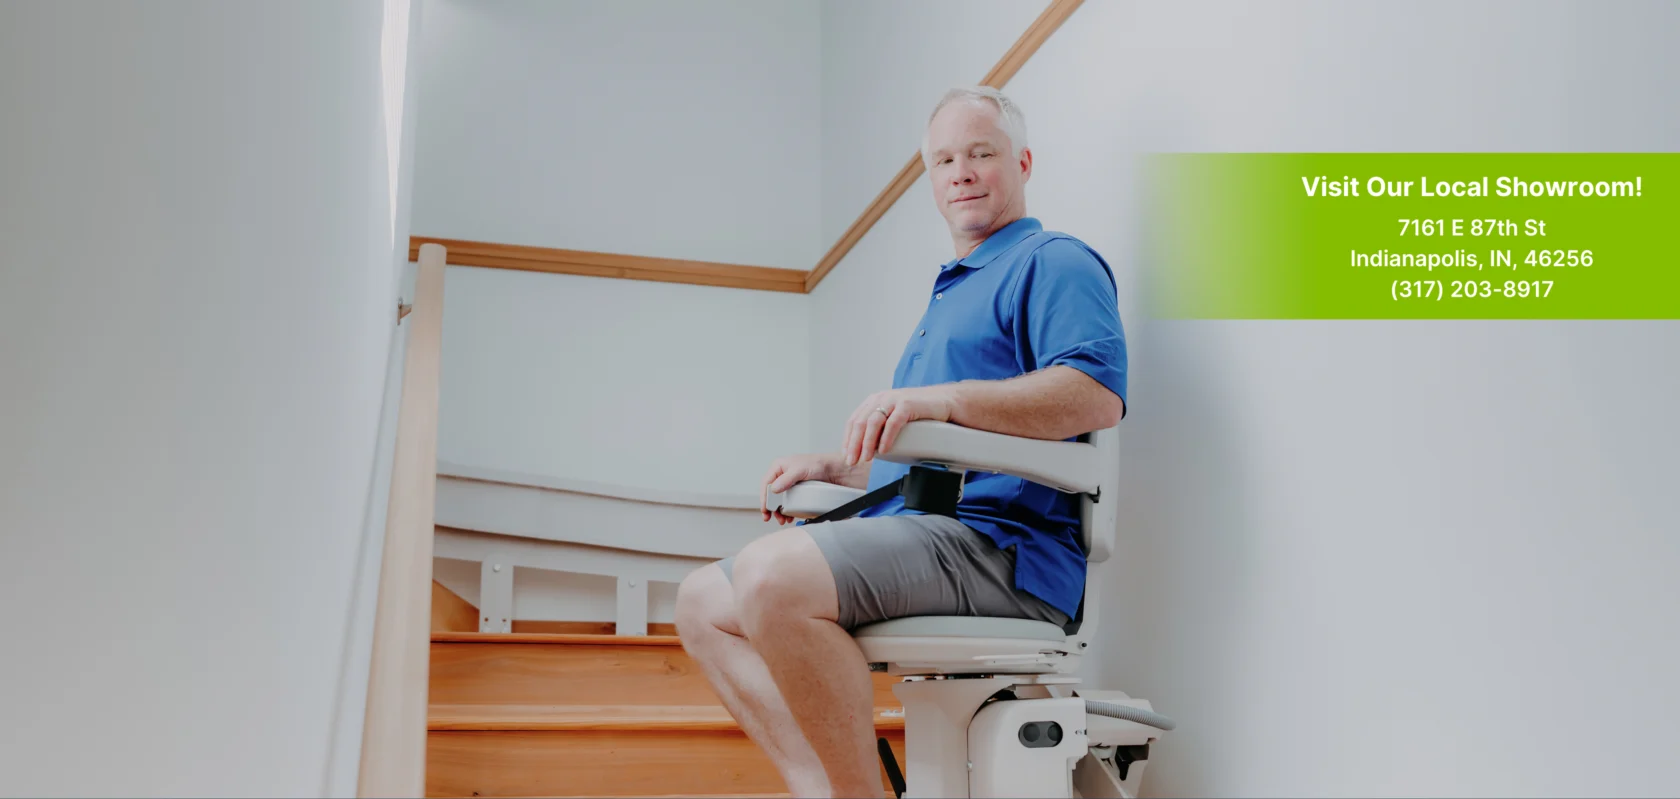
1414,236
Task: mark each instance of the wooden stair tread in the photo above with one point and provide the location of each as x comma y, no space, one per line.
510,763
584,714
488,670
710,796
888,795
442,637
701,796
460,718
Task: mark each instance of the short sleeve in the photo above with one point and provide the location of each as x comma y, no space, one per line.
1067,313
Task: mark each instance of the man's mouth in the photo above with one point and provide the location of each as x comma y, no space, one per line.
966,199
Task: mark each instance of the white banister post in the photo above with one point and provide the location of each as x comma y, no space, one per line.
495,595
632,605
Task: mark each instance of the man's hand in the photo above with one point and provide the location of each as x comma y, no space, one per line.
875,424
786,471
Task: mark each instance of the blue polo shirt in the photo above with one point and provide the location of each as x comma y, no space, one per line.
1026,299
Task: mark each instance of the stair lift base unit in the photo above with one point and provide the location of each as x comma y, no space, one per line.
991,706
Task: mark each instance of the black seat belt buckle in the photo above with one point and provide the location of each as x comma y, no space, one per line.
927,489
932,490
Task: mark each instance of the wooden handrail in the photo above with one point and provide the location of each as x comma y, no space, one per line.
393,761
1033,38
707,273
1052,18
601,264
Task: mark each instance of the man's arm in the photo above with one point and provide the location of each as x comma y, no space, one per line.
1066,327
853,476
1054,404
785,472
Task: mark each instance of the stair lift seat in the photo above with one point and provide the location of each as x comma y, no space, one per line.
992,706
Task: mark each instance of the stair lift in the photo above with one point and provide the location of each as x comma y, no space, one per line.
993,707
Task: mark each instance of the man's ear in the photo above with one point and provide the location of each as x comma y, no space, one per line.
1026,164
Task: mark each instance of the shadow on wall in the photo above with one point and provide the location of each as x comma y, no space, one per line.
1185,496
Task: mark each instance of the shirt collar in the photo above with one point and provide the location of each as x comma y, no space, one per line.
996,244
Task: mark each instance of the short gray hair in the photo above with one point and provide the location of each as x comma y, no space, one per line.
1010,118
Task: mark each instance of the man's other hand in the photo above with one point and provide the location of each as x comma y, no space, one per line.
786,471
875,424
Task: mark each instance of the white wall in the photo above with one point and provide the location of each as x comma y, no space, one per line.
654,127
671,129
633,383
1360,558
196,307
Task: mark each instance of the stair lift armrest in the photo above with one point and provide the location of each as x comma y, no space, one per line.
1069,466
812,498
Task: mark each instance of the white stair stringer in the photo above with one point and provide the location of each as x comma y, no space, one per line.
634,536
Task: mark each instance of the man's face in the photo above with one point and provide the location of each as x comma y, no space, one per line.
976,180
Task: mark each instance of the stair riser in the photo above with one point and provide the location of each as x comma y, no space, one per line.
603,763
578,674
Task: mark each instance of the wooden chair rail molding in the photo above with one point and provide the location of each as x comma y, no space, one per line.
706,273
601,264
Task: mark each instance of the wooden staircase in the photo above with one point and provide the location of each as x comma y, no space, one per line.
545,714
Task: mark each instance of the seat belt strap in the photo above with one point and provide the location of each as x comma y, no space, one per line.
862,503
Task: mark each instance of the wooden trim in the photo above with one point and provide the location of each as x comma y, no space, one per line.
877,209
393,761
601,264
1035,36
1054,15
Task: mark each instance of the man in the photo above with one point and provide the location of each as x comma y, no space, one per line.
1022,336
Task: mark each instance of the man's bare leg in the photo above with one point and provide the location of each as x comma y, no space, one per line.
711,632
788,608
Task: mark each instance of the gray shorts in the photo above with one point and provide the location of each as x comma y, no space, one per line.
890,567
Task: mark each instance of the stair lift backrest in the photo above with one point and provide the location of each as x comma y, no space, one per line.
1099,519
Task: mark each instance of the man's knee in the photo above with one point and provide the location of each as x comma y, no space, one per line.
782,575
705,602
